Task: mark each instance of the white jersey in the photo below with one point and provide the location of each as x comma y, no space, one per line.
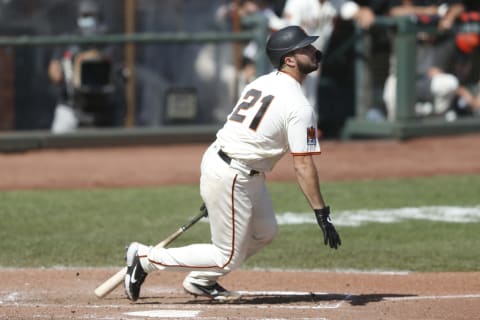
272,117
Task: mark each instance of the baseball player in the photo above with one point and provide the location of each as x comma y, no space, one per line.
271,118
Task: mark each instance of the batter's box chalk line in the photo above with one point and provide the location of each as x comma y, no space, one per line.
283,297
165,313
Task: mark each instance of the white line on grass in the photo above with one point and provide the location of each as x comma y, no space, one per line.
359,217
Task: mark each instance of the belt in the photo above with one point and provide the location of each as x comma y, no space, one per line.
228,160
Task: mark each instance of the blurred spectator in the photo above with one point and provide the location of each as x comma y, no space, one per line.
435,85
468,102
467,66
238,66
363,12
197,73
265,8
336,86
82,75
316,17
250,8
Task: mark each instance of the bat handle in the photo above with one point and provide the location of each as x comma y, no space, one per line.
115,280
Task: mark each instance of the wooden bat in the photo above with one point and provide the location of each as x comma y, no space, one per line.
114,281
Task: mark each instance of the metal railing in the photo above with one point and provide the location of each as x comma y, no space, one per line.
255,29
406,123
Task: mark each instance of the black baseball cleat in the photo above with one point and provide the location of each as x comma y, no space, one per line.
135,274
215,291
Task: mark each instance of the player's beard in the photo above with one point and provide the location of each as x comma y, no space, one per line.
307,67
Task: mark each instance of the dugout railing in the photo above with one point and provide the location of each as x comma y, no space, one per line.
255,28
406,124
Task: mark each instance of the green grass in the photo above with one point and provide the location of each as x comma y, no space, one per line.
90,227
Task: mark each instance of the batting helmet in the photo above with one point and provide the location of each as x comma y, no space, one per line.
287,40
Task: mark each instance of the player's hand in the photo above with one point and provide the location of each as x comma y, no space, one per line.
330,235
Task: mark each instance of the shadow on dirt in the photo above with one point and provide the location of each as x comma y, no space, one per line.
354,300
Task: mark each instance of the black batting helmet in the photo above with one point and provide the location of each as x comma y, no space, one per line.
286,40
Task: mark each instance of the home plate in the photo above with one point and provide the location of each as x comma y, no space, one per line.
165,313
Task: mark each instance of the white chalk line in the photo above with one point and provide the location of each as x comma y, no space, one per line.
434,297
178,314
194,311
10,297
165,313
356,218
342,298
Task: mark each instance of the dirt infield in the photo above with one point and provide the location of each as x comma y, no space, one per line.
68,293
162,165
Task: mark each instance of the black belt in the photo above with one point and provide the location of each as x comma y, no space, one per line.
228,160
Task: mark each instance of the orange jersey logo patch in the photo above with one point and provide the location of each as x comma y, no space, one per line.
311,136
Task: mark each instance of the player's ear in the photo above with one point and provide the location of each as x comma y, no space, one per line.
289,60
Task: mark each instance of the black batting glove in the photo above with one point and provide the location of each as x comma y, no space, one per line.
330,235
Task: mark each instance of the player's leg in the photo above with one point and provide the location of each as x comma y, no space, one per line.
263,224
208,257
231,224
215,187
255,226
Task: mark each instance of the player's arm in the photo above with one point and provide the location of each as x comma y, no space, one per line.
307,178
303,144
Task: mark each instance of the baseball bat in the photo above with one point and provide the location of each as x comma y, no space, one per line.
114,281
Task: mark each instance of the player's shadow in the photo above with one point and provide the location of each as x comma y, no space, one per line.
354,300
363,299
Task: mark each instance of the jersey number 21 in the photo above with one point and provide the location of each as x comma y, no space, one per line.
250,100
